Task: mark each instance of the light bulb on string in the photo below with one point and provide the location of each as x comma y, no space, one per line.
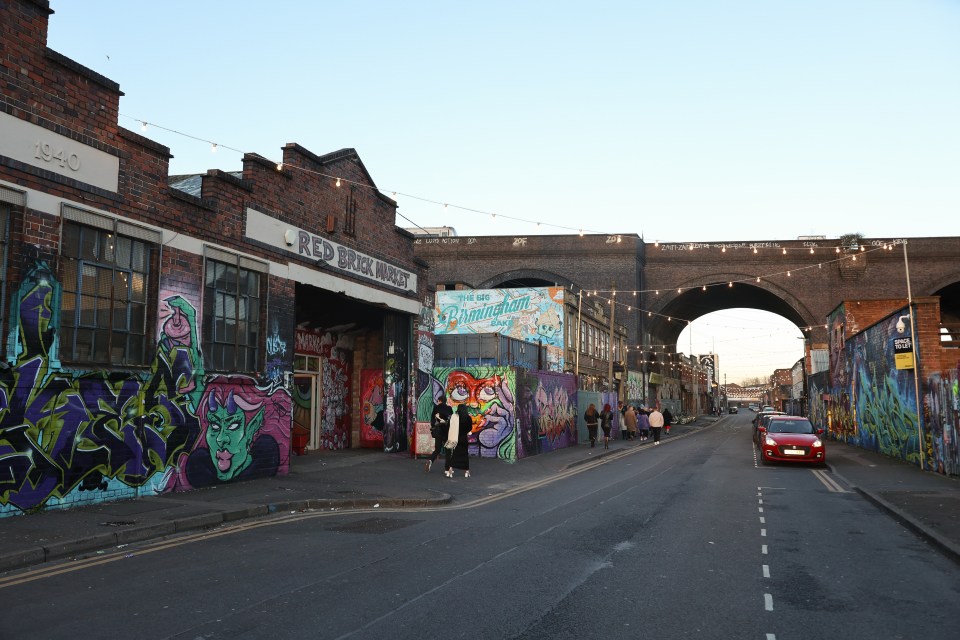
784,251
213,147
338,182
279,166
143,125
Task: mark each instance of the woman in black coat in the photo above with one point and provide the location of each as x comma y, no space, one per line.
459,457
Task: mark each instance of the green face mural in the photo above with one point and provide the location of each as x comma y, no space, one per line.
229,438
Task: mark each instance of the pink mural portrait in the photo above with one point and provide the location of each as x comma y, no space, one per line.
371,402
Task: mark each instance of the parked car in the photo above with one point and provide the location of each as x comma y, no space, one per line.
754,407
764,411
760,420
790,439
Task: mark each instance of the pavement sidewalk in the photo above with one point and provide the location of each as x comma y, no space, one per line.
927,503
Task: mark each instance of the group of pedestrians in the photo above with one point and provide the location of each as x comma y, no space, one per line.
450,430
645,423
638,422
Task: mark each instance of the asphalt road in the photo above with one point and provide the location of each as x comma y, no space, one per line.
690,540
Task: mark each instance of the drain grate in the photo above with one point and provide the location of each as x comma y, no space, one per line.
118,523
374,525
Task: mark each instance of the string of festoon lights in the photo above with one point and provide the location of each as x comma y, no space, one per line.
339,181
612,299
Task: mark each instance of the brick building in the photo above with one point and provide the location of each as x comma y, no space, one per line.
169,333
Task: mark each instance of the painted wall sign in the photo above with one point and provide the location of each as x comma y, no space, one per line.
903,352
44,149
327,253
531,314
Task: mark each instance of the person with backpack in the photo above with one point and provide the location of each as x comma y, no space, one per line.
439,422
667,420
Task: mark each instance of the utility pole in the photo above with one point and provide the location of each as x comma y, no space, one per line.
576,367
613,315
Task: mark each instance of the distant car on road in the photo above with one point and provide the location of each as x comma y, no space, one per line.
754,407
790,439
733,409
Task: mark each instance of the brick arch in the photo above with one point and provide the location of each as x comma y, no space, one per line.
549,277
939,285
694,303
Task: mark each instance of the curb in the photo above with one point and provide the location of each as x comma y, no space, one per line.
66,548
943,545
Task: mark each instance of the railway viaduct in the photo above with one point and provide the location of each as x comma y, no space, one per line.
660,287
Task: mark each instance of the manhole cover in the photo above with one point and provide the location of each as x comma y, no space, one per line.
374,525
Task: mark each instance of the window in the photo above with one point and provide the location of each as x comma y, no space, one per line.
4,243
231,311
350,213
106,267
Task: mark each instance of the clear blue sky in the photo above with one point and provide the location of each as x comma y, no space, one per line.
685,120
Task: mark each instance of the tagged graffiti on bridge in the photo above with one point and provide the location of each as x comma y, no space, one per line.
72,437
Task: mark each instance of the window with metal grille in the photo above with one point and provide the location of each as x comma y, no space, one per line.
231,315
104,312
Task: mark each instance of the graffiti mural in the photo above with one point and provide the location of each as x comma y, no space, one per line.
276,353
546,412
869,403
63,435
941,407
244,434
371,399
488,393
68,438
396,358
335,402
635,392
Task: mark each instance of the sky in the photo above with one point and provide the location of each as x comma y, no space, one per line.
681,121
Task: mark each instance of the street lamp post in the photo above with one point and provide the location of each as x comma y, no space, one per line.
913,349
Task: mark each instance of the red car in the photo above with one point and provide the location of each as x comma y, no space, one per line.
790,439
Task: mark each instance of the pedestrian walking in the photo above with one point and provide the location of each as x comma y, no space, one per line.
439,424
457,455
592,417
656,425
630,421
606,424
643,424
667,420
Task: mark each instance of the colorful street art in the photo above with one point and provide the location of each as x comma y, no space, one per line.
489,395
870,403
941,419
635,391
396,338
546,412
244,434
68,438
372,401
531,314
